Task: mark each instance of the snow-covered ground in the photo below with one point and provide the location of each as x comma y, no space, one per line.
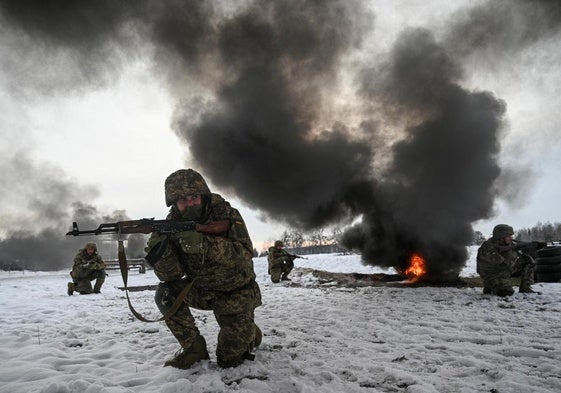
317,338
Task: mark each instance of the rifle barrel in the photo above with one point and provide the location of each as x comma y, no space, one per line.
102,228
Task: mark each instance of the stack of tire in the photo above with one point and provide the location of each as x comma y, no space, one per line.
548,264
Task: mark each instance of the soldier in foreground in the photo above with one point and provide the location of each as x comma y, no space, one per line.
88,266
213,272
498,261
280,261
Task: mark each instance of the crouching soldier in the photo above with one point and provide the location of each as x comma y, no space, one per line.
88,266
497,262
280,262
209,269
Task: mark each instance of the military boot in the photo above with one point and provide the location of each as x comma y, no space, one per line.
97,287
526,289
258,337
70,289
526,285
185,358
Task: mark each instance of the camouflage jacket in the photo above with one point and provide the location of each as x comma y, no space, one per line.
85,263
495,259
224,262
277,256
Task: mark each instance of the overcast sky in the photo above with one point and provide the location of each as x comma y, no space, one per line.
111,130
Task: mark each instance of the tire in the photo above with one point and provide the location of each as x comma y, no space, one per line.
548,277
548,260
549,251
548,268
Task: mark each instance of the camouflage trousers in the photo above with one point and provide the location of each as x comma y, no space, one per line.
234,312
281,271
500,283
84,285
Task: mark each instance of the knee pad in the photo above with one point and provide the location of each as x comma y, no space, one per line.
164,297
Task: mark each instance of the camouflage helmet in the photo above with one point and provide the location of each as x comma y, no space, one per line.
279,243
91,245
182,183
502,230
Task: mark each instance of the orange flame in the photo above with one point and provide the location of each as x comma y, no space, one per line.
417,267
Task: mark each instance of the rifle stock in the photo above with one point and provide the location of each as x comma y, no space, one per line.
214,227
529,248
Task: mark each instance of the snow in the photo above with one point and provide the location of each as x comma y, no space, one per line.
317,338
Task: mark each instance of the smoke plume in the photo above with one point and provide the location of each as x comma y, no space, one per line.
261,92
442,174
50,202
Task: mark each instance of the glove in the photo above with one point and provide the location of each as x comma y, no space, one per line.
156,251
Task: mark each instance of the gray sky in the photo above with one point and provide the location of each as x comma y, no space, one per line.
111,122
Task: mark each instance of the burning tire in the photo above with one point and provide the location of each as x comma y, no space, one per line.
548,277
549,251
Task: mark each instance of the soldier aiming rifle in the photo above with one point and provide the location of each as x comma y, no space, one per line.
280,262
501,257
202,255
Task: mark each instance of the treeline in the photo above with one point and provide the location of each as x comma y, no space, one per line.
320,241
546,232
319,237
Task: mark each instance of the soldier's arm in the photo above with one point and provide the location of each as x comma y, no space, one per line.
237,234
100,264
286,256
489,255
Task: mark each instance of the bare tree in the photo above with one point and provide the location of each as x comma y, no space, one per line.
317,237
478,238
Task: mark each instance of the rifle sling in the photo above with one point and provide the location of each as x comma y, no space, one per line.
123,265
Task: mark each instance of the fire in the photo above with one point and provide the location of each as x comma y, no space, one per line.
417,267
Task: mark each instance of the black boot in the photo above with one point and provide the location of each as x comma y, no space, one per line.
70,289
527,289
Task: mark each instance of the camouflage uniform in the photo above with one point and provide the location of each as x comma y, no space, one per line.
497,262
280,262
87,268
220,268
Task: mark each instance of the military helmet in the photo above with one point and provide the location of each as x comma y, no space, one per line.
91,245
182,183
279,243
502,230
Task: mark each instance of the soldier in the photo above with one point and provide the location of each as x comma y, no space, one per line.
212,271
88,266
281,262
497,262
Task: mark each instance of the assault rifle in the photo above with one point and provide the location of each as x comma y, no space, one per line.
528,248
149,225
293,257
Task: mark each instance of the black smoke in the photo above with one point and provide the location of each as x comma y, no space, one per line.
263,98
48,201
496,30
263,136
443,171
